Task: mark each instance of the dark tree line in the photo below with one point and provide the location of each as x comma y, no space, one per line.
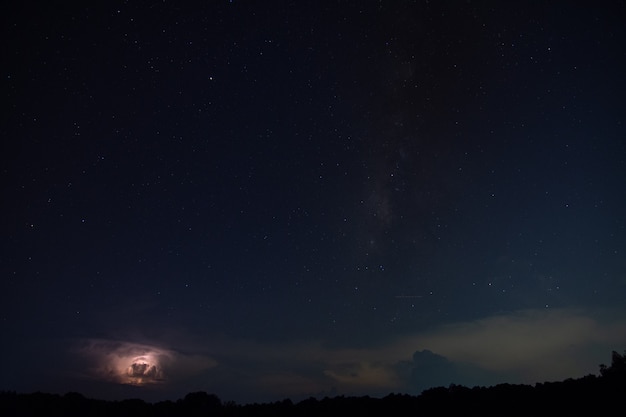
591,395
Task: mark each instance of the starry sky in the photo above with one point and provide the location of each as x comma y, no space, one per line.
281,199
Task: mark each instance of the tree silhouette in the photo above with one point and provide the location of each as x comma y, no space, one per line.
201,404
617,368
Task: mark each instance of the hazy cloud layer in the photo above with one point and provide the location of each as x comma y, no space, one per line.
534,345
523,347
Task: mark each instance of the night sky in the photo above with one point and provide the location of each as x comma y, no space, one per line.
265,200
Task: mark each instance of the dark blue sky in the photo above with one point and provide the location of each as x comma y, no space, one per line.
293,199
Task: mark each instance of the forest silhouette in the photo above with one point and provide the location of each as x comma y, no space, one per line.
592,395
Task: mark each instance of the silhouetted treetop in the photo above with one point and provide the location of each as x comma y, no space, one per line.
617,368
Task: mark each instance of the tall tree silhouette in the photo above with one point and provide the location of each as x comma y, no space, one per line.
617,368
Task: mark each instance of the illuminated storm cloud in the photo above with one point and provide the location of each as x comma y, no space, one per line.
129,363
143,369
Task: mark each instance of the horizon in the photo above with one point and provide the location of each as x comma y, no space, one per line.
603,372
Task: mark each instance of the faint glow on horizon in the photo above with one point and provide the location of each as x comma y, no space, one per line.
129,363
135,364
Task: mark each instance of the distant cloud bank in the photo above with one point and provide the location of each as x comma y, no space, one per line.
520,347
138,364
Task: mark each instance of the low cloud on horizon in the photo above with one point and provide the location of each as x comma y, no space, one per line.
130,363
521,347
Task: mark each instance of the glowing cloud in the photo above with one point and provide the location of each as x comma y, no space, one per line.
139,364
